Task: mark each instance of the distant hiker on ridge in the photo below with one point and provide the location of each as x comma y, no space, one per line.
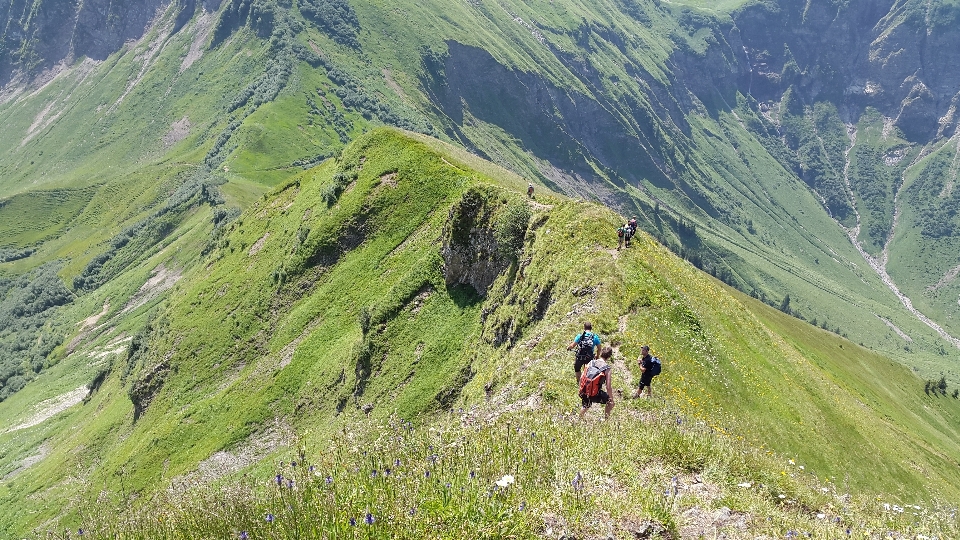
627,234
633,226
595,384
586,342
649,368
530,190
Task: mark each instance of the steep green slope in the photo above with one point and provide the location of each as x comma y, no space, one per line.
397,280
690,118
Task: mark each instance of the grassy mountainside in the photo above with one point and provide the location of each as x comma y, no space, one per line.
649,107
400,280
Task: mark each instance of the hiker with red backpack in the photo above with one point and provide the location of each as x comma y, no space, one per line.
650,367
586,343
595,386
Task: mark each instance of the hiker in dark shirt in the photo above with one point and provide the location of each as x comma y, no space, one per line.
646,372
633,226
586,344
602,391
530,190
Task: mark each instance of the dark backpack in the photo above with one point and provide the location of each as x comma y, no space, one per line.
655,366
620,232
585,346
591,381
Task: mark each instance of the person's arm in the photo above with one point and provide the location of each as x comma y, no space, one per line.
642,367
573,343
609,386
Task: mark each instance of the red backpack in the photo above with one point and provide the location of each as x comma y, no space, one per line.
591,380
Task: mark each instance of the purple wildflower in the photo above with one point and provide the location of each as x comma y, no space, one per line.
80,531
243,535
427,474
269,518
311,468
290,483
386,472
279,479
397,462
413,511
373,474
523,506
328,479
577,481
353,522
293,463
473,475
369,519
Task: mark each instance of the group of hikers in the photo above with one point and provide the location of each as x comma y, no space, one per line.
594,381
626,232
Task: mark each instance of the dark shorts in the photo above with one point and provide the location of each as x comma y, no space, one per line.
578,364
646,379
602,398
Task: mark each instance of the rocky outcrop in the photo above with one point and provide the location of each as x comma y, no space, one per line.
39,35
483,233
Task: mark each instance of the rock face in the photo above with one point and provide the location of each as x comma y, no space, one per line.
480,238
39,35
895,57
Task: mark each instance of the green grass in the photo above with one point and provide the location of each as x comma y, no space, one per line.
304,315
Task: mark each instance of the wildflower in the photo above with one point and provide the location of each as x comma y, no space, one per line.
293,463
505,481
369,519
311,468
269,518
744,484
791,534
279,479
373,474
413,511
577,481
386,472
353,522
427,474
782,496
328,479
80,531
290,483
473,475
397,462
243,535
848,531
433,459
825,490
448,485
821,516
523,506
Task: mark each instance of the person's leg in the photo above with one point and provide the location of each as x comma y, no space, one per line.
607,409
649,390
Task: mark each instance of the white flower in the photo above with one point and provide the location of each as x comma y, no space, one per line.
825,490
505,481
782,496
802,467
792,462
821,516
745,484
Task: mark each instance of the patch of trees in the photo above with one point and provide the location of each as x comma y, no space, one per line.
936,215
939,387
9,255
335,17
28,333
354,96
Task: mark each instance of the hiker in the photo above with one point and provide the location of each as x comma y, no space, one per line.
621,232
627,235
595,384
633,226
586,344
648,369
530,190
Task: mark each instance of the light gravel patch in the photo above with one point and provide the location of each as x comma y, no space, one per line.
162,279
47,408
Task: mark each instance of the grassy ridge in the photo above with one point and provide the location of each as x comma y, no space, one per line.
281,337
